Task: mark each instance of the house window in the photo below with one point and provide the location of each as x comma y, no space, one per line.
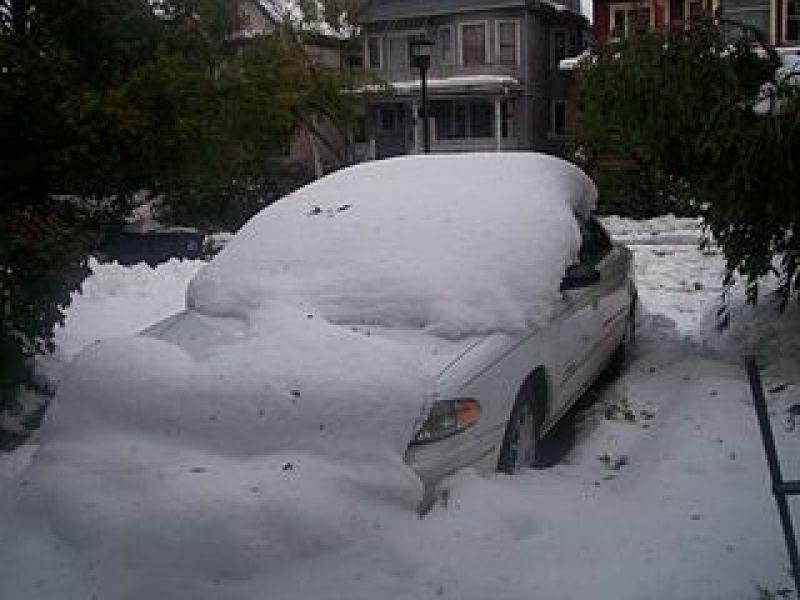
753,13
355,60
459,127
458,119
628,17
558,46
387,121
506,117
372,52
480,119
474,41
360,130
697,9
558,118
446,45
792,29
507,36
398,53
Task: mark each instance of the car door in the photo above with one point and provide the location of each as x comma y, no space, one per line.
581,348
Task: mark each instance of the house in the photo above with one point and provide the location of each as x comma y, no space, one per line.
778,20
325,147
493,83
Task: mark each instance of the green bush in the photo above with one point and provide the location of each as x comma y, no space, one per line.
635,195
682,107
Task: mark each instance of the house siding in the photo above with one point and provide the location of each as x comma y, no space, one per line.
527,103
767,15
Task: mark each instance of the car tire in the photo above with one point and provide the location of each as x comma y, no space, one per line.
522,433
623,351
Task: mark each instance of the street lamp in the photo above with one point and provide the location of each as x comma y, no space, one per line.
421,50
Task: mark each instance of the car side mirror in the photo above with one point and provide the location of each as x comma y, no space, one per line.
579,276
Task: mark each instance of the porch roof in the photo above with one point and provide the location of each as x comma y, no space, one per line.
456,85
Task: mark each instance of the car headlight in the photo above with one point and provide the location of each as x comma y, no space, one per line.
446,418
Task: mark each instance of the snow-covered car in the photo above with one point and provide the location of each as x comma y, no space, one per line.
484,275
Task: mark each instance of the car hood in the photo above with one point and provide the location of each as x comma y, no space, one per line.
200,335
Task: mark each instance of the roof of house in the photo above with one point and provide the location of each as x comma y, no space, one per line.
387,10
392,10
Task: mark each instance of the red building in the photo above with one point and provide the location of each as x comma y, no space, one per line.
779,20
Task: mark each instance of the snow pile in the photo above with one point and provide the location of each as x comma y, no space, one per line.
674,276
455,244
271,451
113,301
665,230
273,431
763,330
116,300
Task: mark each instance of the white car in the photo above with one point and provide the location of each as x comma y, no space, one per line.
503,393
487,269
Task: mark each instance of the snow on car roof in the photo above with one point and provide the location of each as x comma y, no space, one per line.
455,244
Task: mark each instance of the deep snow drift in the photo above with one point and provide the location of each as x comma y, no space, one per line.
457,245
665,494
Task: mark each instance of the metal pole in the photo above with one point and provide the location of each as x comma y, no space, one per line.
778,488
426,134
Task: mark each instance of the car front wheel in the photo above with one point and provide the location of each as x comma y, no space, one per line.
522,434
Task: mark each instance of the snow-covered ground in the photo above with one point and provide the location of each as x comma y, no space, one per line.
664,495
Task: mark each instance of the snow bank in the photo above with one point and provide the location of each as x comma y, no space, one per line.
762,330
281,447
116,300
454,244
281,439
674,276
664,230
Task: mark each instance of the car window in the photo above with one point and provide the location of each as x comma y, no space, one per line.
595,243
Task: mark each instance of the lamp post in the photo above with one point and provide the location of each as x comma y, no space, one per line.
421,49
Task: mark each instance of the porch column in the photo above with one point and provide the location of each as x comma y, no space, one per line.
498,125
416,125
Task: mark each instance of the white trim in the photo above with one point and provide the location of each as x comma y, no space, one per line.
517,41
367,63
458,85
460,44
